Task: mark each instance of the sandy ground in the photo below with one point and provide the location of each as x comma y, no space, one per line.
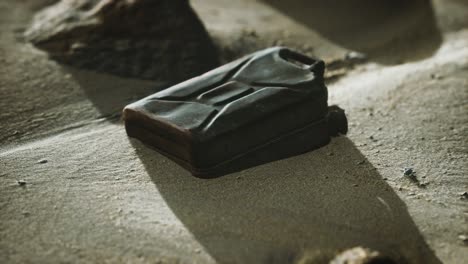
98,196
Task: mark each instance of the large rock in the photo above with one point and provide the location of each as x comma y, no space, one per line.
148,39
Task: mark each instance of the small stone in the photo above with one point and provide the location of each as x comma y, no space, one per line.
330,154
355,185
25,213
355,56
408,172
361,162
360,255
42,161
379,129
464,195
77,46
463,238
21,182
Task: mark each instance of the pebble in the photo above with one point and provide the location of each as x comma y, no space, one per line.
42,161
464,195
408,172
463,238
355,56
21,182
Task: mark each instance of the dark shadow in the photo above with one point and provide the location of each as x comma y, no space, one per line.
313,204
389,31
110,94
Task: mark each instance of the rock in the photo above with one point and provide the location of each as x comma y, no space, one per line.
355,56
147,39
408,172
463,238
42,161
21,182
464,195
26,213
359,255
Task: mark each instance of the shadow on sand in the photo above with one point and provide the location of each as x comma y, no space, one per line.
110,94
311,205
389,31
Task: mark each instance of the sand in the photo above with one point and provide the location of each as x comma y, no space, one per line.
91,194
